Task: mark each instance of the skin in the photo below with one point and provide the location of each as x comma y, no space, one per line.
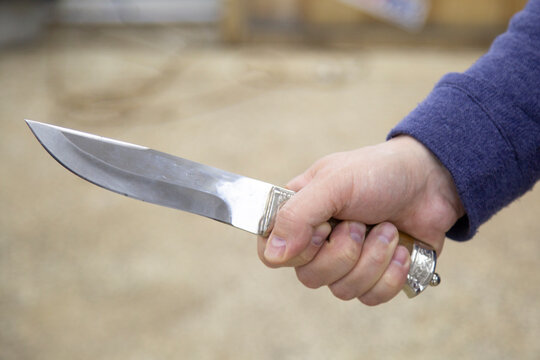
398,184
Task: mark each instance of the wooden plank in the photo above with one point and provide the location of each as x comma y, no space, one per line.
234,21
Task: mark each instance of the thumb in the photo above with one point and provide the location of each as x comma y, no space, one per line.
301,227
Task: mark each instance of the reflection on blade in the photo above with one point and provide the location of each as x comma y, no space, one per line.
156,177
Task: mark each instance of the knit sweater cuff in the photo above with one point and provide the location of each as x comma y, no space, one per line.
463,124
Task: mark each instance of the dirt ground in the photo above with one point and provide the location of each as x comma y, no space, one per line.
88,274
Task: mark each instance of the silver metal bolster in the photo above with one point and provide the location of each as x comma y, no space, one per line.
422,271
276,198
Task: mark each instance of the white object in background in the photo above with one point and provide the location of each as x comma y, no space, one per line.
409,14
137,11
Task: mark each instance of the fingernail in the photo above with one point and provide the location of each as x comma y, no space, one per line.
357,232
386,234
320,234
401,256
275,248
317,240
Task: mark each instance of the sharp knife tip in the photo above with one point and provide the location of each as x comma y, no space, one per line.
36,127
30,122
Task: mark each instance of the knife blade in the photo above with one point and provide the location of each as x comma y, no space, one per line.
163,179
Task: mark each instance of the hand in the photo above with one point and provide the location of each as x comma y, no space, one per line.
398,184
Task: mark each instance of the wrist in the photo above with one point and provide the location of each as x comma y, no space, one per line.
435,188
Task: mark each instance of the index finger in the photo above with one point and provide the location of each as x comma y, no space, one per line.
296,222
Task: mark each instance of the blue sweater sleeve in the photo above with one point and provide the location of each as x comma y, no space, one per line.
484,124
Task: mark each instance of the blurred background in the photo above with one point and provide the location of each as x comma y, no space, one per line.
262,88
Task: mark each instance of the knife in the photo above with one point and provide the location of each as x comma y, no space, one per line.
155,177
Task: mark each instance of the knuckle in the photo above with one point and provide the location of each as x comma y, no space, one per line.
393,280
308,279
348,255
378,258
304,258
326,160
343,292
286,217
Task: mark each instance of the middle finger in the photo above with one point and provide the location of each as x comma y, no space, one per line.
377,252
336,258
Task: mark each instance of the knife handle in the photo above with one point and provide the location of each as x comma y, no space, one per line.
423,257
423,263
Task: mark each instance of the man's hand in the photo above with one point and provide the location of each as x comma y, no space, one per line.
398,184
